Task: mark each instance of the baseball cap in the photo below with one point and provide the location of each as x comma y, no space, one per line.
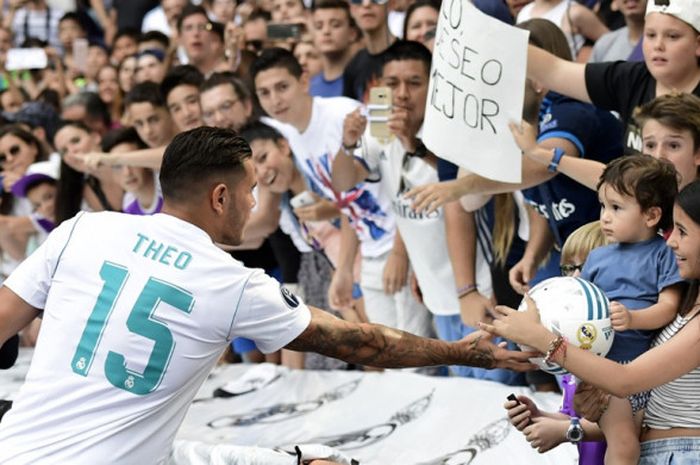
687,11
40,171
37,114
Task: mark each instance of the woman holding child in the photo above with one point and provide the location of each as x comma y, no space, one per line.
670,369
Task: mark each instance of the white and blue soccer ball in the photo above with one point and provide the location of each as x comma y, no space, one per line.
576,309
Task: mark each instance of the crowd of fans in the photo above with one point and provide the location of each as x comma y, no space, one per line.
377,229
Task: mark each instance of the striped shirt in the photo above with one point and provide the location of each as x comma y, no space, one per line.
675,404
41,24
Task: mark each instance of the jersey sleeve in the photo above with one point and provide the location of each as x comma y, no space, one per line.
31,280
570,120
269,314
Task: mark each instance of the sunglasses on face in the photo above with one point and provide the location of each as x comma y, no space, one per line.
13,152
569,270
376,2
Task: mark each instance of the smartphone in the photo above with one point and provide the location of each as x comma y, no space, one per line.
302,200
278,31
379,109
26,58
513,398
430,34
80,54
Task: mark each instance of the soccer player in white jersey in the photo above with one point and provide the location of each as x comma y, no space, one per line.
137,310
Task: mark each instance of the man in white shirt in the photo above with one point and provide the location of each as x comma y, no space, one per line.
282,90
137,310
400,164
163,17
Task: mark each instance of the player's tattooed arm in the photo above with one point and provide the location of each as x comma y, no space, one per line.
380,346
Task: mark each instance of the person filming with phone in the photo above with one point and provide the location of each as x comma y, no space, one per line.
386,145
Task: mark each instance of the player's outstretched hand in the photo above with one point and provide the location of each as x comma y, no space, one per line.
484,353
521,327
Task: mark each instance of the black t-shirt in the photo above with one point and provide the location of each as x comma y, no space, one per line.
130,13
360,74
8,352
622,86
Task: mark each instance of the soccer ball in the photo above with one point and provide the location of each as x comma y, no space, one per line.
576,309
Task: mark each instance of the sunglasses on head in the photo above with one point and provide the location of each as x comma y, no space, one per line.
376,2
13,152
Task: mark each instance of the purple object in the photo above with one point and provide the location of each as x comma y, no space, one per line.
589,452
637,54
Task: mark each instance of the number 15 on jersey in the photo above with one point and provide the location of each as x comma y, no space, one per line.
141,321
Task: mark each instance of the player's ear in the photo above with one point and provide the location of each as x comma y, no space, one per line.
218,197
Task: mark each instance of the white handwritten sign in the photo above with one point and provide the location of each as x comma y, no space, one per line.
477,85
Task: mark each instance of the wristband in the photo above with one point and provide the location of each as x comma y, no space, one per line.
465,290
556,158
350,149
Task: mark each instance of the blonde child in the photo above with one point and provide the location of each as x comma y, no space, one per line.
546,430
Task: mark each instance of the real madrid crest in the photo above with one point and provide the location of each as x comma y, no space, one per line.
586,335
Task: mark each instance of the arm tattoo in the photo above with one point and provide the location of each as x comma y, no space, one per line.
380,346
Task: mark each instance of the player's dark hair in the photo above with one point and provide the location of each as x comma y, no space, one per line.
197,157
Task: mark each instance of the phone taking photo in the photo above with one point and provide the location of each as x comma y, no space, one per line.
379,110
80,54
302,200
279,31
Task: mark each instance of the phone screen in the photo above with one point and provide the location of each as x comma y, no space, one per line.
80,54
283,31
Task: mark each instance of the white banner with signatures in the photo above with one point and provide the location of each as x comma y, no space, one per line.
375,418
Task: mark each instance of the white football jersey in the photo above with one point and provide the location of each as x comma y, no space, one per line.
137,310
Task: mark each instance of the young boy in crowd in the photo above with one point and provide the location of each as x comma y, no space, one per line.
149,114
362,71
180,88
546,430
670,130
142,194
671,64
636,196
334,35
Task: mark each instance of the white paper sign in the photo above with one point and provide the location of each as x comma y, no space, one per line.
477,85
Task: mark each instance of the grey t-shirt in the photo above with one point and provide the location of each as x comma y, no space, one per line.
612,46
